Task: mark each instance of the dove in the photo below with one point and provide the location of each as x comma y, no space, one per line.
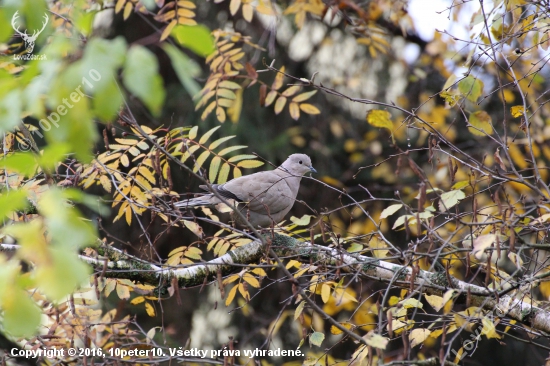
264,198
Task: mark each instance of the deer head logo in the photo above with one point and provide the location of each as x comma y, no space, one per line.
29,40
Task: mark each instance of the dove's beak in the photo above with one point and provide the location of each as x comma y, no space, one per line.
312,169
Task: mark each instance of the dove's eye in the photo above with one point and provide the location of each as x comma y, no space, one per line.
300,162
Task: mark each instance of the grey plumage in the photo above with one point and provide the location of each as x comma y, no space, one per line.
263,198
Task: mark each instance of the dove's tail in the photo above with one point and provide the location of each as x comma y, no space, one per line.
206,200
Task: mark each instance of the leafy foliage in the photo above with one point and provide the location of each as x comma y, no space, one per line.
445,180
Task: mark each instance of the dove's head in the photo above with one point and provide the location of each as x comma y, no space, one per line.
298,164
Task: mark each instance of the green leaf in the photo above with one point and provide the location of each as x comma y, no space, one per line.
224,173
195,37
64,222
10,110
185,68
471,88
207,135
230,149
105,56
214,168
83,21
302,221
141,77
107,102
461,184
53,154
481,122
200,160
62,275
193,133
450,199
229,85
21,314
316,338
12,201
241,157
24,163
220,141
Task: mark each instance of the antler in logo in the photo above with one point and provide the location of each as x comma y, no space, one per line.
29,40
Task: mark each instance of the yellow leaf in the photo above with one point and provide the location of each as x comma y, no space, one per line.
248,12
435,301
380,118
411,303
418,336
480,122
166,16
220,113
291,91
280,104
119,6
294,110
166,32
481,243
122,291
378,247
226,93
489,329
193,253
185,13
229,85
137,300
304,96
105,182
237,172
128,214
270,98
230,279
390,210
186,4
208,110
447,303
231,295
149,309
334,330
127,10
186,21
309,108
194,227
279,79
259,272
325,293
234,6
124,160
517,111
344,293
299,309
376,340
250,164
193,133
394,300
244,293
251,280
234,111
224,173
